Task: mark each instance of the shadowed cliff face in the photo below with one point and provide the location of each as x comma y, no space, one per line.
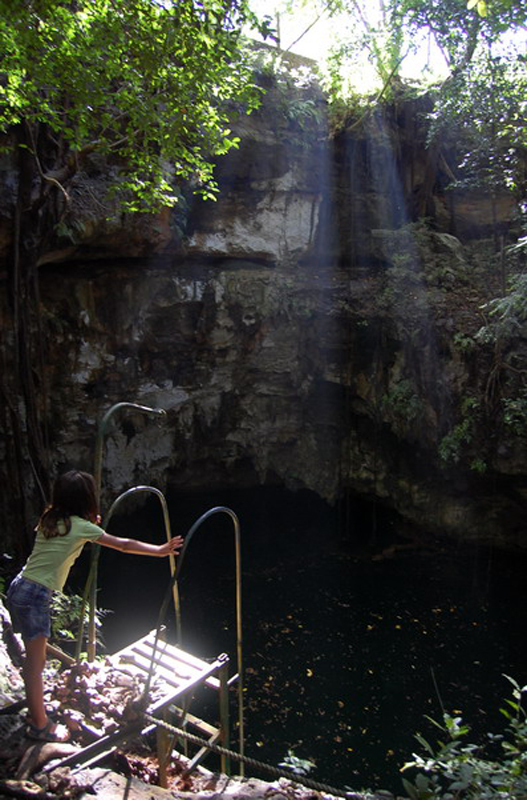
302,331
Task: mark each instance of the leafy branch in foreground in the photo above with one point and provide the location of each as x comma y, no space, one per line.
153,83
496,770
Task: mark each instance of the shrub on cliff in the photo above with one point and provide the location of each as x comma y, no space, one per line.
457,769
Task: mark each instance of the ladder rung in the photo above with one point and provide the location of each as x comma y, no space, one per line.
202,753
159,704
196,722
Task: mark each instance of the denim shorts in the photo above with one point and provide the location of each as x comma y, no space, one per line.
28,604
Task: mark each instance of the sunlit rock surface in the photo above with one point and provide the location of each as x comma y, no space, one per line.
293,335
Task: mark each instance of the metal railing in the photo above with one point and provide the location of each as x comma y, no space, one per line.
90,589
166,520
239,634
172,592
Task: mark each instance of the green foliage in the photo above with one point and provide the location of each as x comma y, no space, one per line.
455,29
460,31
507,315
496,7
503,334
477,121
463,342
66,617
402,405
515,414
385,32
152,83
299,766
298,107
453,445
419,258
495,770
376,28
302,111
479,5
480,113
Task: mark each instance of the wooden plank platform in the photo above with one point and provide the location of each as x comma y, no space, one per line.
175,673
179,670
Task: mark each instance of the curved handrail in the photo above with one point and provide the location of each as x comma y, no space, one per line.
164,607
90,589
166,519
97,472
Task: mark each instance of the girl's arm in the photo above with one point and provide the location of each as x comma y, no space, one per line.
141,548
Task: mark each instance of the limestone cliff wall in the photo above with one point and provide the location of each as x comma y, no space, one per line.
292,331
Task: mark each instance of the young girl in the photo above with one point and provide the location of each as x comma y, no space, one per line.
65,526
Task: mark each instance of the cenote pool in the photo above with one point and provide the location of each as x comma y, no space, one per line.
345,653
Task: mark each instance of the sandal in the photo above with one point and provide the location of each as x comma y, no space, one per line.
46,734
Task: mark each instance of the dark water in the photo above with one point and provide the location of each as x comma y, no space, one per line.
344,655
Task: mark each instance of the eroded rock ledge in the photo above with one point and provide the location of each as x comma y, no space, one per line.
295,333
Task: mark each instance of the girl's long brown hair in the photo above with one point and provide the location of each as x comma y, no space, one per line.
73,495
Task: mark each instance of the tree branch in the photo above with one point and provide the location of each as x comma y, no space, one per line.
45,177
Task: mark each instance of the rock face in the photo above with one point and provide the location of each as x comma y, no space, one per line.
304,330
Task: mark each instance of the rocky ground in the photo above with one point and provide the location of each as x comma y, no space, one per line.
93,700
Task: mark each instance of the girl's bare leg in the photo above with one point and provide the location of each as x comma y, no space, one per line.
32,674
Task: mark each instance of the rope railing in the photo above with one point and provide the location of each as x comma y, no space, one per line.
253,762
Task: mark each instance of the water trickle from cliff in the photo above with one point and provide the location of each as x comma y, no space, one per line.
397,377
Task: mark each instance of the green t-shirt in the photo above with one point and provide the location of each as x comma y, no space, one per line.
52,559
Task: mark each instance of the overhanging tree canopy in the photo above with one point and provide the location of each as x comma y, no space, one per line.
385,32
150,84
153,81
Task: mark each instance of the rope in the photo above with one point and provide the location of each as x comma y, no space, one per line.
215,748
